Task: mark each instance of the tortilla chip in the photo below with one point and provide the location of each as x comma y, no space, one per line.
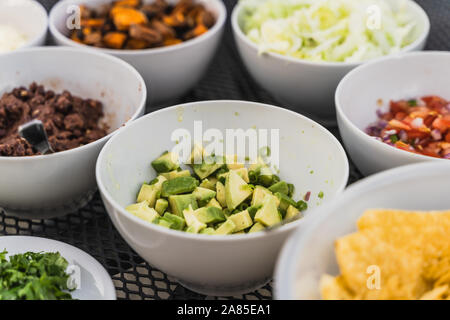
333,288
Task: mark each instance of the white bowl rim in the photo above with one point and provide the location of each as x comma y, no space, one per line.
216,238
288,258
371,140
112,59
34,40
238,31
222,17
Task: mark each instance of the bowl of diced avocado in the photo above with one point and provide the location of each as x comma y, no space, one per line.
216,221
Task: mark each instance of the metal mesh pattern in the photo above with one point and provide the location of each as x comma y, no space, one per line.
91,230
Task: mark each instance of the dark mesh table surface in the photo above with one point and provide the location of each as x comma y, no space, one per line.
91,230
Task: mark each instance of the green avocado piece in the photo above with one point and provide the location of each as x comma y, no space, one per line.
257,227
253,209
203,195
242,220
204,170
236,190
259,194
176,174
161,205
178,203
242,172
210,215
176,222
149,192
209,183
143,211
164,223
285,201
281,187
292,212
268,215
167,162
266,177
209,231
214,203
226,228
221,194
178,186
194,225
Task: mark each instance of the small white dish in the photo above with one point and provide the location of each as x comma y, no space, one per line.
358,97
305,86
28,17
309,254
95,282
310,157
170,71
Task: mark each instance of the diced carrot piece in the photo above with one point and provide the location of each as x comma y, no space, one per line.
124,17
93,23
114,40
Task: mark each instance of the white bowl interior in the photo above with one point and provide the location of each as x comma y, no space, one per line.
310,157
412,75
420,30
27,16
88,75
61,13
307,257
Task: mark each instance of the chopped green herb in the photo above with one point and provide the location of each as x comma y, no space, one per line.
34,276
394,138
412,103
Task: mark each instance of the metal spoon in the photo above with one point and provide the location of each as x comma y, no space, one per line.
35,134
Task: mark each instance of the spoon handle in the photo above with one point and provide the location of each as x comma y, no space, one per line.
34,133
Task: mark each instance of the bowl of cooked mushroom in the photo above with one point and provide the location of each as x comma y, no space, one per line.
170,42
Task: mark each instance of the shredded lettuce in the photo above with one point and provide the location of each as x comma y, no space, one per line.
329,30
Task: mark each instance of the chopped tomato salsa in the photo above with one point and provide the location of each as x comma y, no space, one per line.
420,125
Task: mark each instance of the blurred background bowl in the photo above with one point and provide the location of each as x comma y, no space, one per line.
301,85
28,17
310,157
169,72
56,184
309,254
358,97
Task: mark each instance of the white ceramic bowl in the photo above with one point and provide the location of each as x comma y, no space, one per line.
92,280
27,16
411,75
51,185
305,86
216,265
171,71
310,253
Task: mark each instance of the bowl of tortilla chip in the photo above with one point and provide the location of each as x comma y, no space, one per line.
387,237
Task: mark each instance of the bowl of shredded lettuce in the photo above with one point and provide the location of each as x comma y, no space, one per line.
299,50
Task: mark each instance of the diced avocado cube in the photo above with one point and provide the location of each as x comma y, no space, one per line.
226,228
179,203
285,201
143,211
204,170
149,192
210,215
178,186
165,223
220,188
197,154
214,203
242,220
166,163
209,183
194,225
258,165
253,209
259,194
161,206
209,231
176,222
232,162
292,212
268,215
242,172
203,195
176,174
257,227
236,190
281,187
